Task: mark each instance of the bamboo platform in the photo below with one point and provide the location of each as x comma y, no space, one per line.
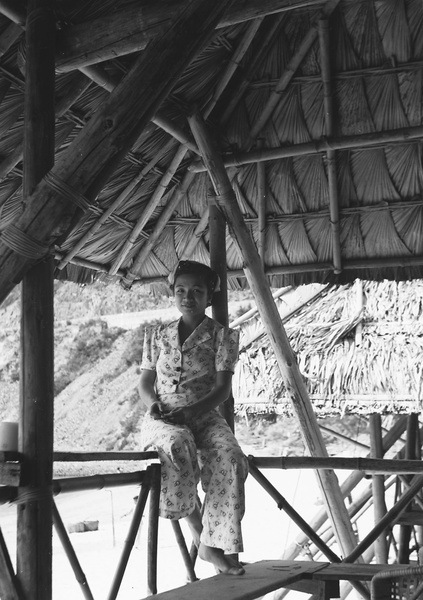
268,575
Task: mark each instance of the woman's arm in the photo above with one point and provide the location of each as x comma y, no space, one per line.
148,393
218,394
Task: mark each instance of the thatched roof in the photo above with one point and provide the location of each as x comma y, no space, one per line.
316,107
359,347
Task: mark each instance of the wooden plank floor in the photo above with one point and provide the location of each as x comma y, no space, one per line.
259,579
268,575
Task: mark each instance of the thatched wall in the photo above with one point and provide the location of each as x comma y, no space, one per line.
354,359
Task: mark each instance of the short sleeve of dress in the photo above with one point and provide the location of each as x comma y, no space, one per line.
228,349
150,351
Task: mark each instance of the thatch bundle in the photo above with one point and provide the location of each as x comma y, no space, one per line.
356,357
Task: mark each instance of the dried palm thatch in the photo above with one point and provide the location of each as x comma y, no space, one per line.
358,346
258,79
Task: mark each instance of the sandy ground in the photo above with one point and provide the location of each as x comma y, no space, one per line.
267,532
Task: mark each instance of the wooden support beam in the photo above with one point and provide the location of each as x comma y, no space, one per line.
131,29
261,220
410,453
34,525
107,137
294,382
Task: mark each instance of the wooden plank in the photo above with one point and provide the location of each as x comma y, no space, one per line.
259,579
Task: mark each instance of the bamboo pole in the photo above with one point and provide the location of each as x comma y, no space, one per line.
188,178
96,482
102,456
287,75
34,524
180,540
405,530
378,489
71,554
347,487
131,536
324,44
348,142
218,262
294,382
261,220
9,585
388,520
283,504
368,465
153,528
269,32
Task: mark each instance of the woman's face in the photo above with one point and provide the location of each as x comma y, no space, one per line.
191,294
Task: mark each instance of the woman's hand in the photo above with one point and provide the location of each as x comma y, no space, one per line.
179,416
156,410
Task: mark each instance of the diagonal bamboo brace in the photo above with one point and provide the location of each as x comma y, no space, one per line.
295,386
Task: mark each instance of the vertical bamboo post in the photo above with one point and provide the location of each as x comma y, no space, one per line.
153,528
295,386
378,488
217,230
410,452
34,529
261,193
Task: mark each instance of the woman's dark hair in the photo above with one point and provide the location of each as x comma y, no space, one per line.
189,267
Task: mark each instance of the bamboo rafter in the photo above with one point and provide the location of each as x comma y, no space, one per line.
225,79
324,44
287,75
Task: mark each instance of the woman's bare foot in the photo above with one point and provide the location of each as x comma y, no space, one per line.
223,563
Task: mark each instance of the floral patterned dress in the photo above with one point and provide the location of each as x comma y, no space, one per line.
205,449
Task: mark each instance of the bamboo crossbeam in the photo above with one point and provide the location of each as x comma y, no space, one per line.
370,465
294,381
103,456
96,482
360,141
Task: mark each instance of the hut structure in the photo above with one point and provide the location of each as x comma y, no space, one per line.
358,346
278,139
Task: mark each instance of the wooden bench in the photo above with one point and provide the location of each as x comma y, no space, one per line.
268,575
